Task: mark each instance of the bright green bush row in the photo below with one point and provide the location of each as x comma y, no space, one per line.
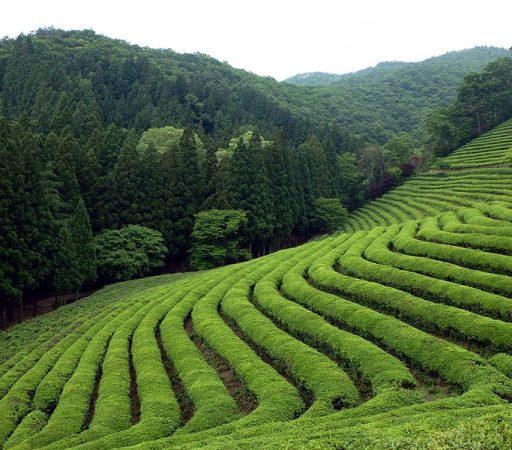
397,209
31,424
498,210
20,340
390,271
462,256
483,427
213,405
17,402
112,408
379,368
71,412
503,363
430,231
452,362
496,151
488,152
441,203
48,392
160,412
112,411
328,384
436,316
454,199
277,399
451,223
492,282
387,401
23,365
473,216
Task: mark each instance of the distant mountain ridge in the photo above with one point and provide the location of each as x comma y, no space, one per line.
52,72
326,78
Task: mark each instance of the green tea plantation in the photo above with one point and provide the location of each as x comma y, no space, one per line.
394,333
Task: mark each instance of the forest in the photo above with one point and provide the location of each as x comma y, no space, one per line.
117,160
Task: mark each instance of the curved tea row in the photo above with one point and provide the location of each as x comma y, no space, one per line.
398,328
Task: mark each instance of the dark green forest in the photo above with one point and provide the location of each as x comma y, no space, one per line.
97,135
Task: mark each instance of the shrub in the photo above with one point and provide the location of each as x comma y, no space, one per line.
216,238
328,214
129,252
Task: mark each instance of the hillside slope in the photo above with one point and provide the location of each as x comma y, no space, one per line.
395,96
394,334
57,77
462,60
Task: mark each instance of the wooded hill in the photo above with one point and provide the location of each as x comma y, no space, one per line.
395,333
98,136
396,96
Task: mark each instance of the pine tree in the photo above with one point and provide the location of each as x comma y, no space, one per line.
89,178
330,143
252,191
81,234
66,275
10,166
188,189
126,191
65,172
26,225
281,185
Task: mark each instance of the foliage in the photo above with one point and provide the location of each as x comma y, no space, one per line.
217,237
408,309
483,101
129,252
328,214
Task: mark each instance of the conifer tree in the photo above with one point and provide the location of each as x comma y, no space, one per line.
188,188
82,239
252,192
66,275
126,193
27,223
281,186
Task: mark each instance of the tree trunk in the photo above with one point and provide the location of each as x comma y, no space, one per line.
478,125
76,296
34,309
56,301
20,309
4,313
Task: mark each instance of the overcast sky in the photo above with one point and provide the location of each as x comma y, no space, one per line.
280,38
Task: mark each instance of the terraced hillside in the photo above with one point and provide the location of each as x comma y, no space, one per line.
396,333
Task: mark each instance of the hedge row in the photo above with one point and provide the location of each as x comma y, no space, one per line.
450,222
463,256
391,269
213,405
69,334
400,235
503,363
36,333
434,316
379,368
160,413
49,390
17,402
452,362
329,385
277,399
32,423
430,231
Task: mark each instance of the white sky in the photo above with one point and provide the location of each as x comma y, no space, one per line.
280,37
